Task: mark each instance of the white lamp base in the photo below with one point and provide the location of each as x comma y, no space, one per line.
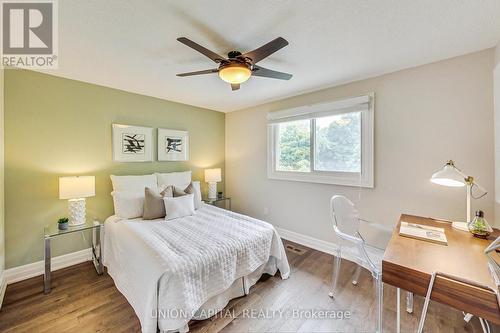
460,226
212,190
76,209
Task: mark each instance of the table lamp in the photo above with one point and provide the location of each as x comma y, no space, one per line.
212,177
451,176
76,189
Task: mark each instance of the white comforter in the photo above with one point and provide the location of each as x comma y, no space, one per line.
168,269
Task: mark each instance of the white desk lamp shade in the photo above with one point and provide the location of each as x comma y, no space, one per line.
76,189
212,177
448,176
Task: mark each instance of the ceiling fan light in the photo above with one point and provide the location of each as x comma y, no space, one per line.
235,74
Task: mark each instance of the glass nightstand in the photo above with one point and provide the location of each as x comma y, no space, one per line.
214,202
51,231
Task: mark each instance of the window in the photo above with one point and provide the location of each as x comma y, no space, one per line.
328,143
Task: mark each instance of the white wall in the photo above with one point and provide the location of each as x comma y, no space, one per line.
423,116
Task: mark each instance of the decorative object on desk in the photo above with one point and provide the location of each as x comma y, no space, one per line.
76,189
212,177
451,176
423,232
219,195
173,145
479,227
62,223
132,143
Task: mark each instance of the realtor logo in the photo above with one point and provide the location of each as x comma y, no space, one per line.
29,34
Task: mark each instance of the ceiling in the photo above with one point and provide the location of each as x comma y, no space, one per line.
131,45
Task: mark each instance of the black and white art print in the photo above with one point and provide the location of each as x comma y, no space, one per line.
132,143
173,145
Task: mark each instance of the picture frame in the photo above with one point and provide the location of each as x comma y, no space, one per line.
132,143
173,145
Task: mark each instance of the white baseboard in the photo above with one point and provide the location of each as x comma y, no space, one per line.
348,253
313,243
3,287
24,272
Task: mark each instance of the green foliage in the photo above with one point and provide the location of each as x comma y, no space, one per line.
63,220
338,144
294,146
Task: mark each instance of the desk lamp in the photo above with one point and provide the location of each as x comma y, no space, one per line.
451,176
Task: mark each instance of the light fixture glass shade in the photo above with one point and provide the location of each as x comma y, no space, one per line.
213,175
448,176
235,74
76,187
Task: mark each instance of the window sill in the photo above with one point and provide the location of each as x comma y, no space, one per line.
345,179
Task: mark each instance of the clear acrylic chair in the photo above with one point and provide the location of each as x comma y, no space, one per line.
346,223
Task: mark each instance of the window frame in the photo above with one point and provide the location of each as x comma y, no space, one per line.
340,106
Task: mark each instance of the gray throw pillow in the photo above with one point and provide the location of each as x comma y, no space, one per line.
154,207
168,191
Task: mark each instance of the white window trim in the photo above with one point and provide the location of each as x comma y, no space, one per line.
365,104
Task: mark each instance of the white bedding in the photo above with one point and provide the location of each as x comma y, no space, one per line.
169,270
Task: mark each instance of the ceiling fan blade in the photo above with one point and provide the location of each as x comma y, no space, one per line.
206,52
235,86
264,72
266,50
207,71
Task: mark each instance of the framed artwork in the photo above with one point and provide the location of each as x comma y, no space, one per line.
132,143
173,145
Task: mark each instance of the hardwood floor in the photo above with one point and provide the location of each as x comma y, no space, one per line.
82,301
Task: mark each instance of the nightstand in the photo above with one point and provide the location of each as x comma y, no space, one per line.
51,231
214,202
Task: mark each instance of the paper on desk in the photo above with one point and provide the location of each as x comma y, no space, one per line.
423,232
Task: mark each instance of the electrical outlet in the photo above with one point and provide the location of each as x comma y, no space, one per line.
265,211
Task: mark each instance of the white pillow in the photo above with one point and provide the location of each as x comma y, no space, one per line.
179,179
128,205
197,195
133,183
179,206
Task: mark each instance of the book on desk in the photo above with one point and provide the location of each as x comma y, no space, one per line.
423,232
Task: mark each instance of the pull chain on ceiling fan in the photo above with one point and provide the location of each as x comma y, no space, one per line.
237,67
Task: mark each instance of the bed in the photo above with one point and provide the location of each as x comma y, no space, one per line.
189,268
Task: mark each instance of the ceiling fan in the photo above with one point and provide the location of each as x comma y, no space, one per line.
238,67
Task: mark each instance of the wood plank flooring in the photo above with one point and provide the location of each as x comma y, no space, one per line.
82,301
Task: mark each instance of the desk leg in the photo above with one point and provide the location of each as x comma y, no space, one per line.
409,302
46,275
398,310
380,301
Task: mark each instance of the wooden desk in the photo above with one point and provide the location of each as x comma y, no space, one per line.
408,264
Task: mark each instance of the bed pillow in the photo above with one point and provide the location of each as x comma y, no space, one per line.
179,206
178,192
166,191
179,179
133,183
192,188
128,205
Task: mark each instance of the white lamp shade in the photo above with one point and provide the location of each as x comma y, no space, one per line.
213,175
76,187
448,176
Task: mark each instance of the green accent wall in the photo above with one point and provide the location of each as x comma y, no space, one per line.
58,127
